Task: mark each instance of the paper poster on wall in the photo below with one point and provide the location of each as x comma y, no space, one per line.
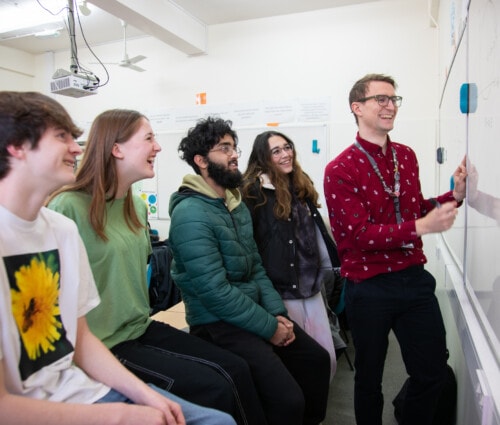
296,111
313,110
151,199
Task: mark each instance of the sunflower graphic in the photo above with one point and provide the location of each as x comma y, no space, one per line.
35,305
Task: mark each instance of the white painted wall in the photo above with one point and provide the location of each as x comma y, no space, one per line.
17,70
303,55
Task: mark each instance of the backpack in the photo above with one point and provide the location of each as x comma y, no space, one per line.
163,292
445,413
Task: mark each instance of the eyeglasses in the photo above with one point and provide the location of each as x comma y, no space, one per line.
383,99
276,152
228,150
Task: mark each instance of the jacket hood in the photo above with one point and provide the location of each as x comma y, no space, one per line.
195,185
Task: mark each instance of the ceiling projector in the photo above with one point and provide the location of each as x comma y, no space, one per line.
73,84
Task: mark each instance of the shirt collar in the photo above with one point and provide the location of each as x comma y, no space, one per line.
372,148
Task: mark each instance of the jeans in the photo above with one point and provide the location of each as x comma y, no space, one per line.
194,370
292,381
403,301
194,415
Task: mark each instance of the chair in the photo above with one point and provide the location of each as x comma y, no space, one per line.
339,310
334,289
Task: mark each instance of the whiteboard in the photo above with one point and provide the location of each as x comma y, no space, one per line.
170,169
475,238
483,221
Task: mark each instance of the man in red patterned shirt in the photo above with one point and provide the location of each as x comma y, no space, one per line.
378,214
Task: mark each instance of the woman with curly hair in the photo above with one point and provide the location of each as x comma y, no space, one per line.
293,241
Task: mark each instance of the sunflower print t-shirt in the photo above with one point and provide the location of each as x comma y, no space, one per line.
45,286
34,290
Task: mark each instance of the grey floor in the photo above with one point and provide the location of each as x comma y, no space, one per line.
340,405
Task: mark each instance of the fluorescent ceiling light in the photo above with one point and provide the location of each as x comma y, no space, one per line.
48,33
22,18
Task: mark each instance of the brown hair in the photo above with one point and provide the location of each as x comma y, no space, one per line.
260,161
24,117
360,87
97,174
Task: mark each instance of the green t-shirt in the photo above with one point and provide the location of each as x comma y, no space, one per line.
119,266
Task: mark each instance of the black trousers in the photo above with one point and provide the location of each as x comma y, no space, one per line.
292,381
193,369
403,301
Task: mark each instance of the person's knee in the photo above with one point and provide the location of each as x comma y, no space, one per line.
238,369
324,357
222,395
322,362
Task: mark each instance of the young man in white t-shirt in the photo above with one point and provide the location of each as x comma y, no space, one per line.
53,370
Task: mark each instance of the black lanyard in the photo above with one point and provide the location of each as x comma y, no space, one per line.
394,194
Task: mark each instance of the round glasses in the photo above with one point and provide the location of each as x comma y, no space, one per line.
276,152
383,99
228,150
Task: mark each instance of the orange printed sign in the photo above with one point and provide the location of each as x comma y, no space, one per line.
201,98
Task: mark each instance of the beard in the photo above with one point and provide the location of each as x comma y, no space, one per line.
224,177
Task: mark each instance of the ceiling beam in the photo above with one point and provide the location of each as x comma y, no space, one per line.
162,19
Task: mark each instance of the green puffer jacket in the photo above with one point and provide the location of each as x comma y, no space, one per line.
216,263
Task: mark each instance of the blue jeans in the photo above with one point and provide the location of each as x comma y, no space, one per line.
404,302
194,414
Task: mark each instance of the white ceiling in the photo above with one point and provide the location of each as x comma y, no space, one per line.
101,27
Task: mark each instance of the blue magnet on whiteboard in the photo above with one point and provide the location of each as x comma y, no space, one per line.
315,148
452,183
468,98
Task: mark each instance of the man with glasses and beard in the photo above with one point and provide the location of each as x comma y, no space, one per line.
229,299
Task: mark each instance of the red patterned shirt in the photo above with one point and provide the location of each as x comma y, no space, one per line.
363,216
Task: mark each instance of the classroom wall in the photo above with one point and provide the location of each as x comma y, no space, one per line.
300,55
17,69
304,55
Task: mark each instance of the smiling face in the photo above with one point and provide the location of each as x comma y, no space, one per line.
222,164
281,154
375,120
52,162
136,156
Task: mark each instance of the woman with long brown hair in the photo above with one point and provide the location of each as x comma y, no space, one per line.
292,238
121,149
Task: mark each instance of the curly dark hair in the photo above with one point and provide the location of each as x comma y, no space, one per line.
203,137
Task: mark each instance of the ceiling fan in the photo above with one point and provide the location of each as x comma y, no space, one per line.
127,62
